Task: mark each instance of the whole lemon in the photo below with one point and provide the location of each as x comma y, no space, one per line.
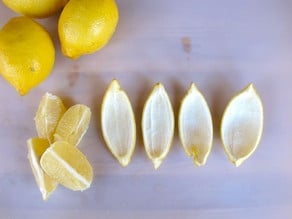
85,26
27,53
35,8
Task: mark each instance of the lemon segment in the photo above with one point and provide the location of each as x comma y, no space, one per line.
35,8
118,123
157,125
67,165
195,126
73,124
86,26
50,111
36,148
27,53
242,125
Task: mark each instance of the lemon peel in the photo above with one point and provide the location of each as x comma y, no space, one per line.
157,125
118,123
242,125
195,126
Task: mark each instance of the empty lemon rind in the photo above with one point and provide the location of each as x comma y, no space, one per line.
118,123
242,125
195,126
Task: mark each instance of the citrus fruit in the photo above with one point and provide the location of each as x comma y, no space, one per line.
157,125
35,8
27,53
242,125
67,165
195,126
73,124
118,123
50,111
85,26
36,148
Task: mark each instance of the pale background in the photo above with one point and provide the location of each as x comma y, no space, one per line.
219,45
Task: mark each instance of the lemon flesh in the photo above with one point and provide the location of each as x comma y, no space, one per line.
50,111
35,8
27,53
73,124
36,148
85,26
67,165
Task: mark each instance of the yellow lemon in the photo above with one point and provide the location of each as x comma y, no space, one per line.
27,53
85,26
35,8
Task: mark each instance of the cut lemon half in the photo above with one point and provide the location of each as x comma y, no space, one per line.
73,124
67,165
157,125
242,125
50,111
118,123
36,148
195,126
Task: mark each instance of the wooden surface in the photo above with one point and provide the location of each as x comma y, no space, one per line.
221,46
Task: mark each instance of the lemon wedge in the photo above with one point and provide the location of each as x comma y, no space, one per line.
118,123
242,125
36,148
157,125
195,126
67,165
50,110
73,124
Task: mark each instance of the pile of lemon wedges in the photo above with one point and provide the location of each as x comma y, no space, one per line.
53,155
27,52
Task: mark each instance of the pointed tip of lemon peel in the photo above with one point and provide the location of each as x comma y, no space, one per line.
115,84
193,87
46,196
124,161
159,85
198,160
238,162
199,163
156,163
250,88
